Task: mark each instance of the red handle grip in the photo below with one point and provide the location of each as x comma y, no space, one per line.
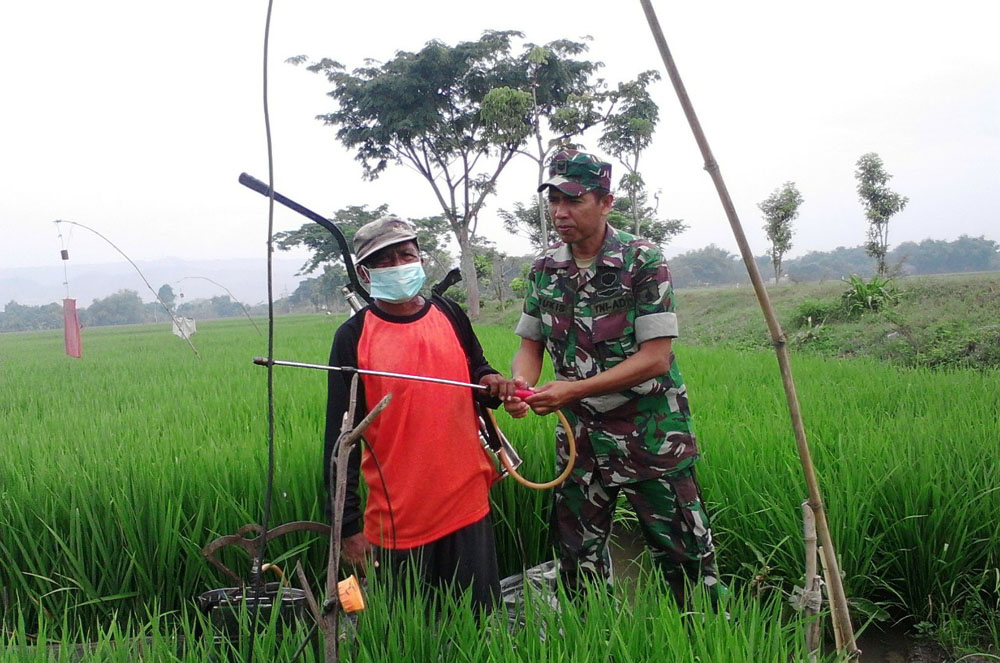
524,393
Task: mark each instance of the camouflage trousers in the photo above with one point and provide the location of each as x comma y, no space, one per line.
671,516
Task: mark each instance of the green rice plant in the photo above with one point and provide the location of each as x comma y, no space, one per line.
904,460
598,626
137,459
116,469
189,638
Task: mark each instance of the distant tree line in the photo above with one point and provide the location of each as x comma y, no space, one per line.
124,307
500,275
18,317
714,266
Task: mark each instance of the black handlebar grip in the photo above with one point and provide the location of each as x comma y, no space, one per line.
252,182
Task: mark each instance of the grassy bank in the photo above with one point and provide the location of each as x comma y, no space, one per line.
936,321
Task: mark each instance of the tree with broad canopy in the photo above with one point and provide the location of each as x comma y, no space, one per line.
563,95
628,132
424,110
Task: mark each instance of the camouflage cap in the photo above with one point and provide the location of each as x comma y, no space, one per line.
575,173
380,233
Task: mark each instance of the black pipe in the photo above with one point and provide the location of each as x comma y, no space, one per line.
252,182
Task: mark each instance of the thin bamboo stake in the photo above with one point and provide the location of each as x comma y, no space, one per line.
841,615
810,585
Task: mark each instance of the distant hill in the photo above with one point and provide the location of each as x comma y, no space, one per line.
245,278
712,266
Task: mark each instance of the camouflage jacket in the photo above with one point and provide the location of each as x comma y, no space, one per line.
594,319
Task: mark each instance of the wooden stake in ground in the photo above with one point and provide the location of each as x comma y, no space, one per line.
838,600
812,596
838,634
330,612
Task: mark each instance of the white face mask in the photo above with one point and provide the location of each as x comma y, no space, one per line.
397,284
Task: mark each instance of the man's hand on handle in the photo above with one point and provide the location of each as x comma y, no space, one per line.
355,550
516,405
552,396
542,400
498,386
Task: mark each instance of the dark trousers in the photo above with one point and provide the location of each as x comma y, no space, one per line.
465,560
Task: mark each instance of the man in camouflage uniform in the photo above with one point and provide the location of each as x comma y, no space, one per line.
601,303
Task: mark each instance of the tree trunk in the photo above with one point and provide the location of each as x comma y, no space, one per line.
884,259
541,207
498,283
541,220
468,266
633,197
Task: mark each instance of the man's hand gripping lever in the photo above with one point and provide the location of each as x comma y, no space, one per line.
512,461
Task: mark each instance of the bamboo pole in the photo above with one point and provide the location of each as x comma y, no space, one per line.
838,600
810,585
838,634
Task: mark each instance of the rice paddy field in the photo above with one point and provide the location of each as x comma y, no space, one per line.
117,468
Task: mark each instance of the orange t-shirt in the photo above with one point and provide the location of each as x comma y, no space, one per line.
436,472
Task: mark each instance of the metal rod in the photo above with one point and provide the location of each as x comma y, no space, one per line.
166,308
231,295
838,599
263,361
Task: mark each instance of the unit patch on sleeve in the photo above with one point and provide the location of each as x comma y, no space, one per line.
648,293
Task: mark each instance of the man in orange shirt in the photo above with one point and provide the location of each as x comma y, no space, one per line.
427,473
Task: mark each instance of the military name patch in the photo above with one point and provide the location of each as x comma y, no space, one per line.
553,306
611,305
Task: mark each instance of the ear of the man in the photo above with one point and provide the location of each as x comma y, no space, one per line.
607,202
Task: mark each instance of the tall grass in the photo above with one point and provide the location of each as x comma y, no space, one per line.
117,468
906,458
425,629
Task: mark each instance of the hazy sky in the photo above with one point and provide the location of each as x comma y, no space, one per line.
136,118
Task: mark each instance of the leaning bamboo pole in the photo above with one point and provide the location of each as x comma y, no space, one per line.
838,599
